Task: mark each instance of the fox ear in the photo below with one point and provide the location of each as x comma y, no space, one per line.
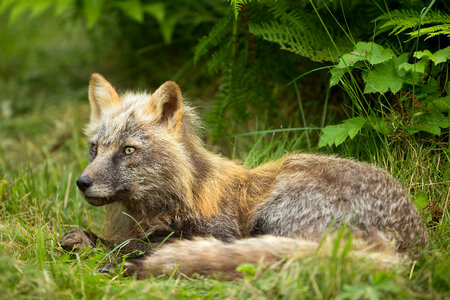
166,105
102,95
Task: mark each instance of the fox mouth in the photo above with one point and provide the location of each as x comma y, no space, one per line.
99,201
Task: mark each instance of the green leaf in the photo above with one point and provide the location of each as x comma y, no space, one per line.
336,75
379,125
382,78
442,55
62,6
429,122
332,134
247,270
237,5
156,10
17,11
418,67
39,7
349,60
92,10
440,104
425,53
354,126
337,134
5,4
167,28
132,8
421,201
374,53
410,73
166,24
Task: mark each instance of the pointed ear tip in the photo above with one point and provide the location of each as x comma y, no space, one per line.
97,76
171,84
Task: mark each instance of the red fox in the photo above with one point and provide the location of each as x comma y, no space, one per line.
149,166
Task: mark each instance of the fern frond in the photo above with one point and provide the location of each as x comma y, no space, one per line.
290,39
403,20
31,9
237,6
432,31
214,38
219,58
282,11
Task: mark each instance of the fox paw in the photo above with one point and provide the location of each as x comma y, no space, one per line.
75,239
129,268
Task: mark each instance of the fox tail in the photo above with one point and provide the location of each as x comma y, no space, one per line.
211,257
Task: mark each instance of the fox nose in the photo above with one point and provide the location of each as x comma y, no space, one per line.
84,183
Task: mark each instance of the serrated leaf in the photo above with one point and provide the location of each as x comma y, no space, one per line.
336,75
337,134
429,122
382,78
442,55
354,125
374,53
418,67
425,53
421,201
349,60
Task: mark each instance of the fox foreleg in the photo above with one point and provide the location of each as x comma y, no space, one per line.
77,239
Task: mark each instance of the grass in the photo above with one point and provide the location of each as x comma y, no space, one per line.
43,151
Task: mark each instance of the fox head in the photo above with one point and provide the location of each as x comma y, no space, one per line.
139,148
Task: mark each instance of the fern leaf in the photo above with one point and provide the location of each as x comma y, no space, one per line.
219,59
214,38
403,20
443,29
291,40
237,6
282,11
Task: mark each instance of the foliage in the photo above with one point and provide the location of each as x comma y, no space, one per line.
429,23
295,31
92,10
386,74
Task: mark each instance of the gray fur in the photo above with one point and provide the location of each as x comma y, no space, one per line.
171,184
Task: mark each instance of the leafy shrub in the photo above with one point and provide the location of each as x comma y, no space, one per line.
417,92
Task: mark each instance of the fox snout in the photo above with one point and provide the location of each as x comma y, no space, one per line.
101,189
84,183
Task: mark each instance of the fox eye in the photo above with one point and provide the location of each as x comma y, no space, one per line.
128,150
94,147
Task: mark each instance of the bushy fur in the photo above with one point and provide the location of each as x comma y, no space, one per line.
171,184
